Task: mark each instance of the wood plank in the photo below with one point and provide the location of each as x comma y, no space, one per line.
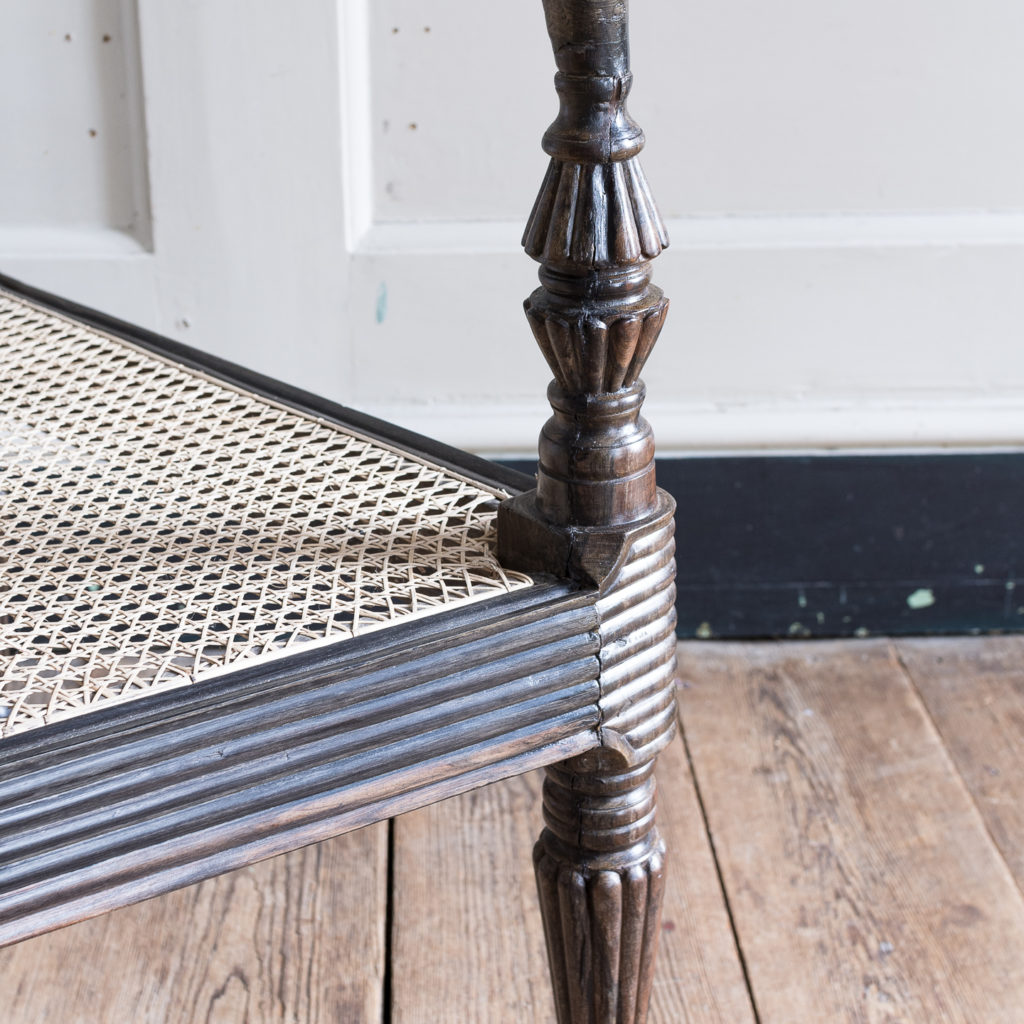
699,979
862,882
468,947
973,688
466,940
296,938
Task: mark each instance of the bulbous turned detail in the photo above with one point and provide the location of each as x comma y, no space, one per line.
600,812
593,125
595,216
596,317
596,465
593,350
591,46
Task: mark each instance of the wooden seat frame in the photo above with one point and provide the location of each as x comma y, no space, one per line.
574,673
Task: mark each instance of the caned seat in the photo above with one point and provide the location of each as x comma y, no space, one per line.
161,527
236,618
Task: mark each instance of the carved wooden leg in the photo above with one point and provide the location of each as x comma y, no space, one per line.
600,861
600,875
596,515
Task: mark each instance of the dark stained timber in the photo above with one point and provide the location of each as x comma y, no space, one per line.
596,515
601,877
123,804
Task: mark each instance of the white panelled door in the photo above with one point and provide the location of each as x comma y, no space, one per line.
332,192
180,165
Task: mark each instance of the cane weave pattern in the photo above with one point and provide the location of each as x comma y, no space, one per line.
158,526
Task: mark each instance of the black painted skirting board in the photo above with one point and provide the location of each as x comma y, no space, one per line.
847,545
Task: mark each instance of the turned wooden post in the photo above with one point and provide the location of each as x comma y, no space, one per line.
597,515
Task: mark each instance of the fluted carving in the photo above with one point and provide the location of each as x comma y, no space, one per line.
595,215
597,515
596,316
600,861
588,352
600,867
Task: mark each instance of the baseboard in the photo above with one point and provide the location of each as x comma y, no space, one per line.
847,545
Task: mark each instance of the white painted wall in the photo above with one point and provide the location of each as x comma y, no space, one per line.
243,247
334,191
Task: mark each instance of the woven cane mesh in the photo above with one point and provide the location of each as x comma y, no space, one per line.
157,526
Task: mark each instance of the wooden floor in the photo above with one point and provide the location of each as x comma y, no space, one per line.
853,850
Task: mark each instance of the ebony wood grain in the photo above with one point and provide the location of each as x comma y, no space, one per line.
600,866
594,229
132,804
597,516
297,938
638,644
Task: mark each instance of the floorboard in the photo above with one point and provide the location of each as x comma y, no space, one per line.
466,939
973,688
294,940
699,979
861,878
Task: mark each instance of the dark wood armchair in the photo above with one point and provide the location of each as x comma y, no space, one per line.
237,618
